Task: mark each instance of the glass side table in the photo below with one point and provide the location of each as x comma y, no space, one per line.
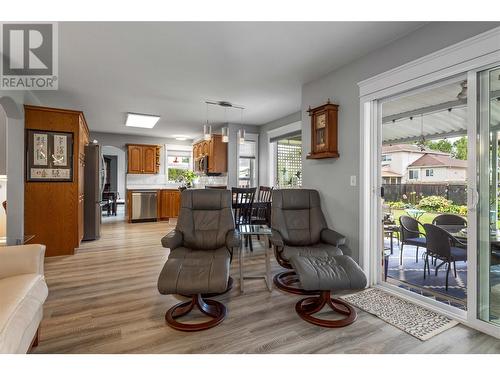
254,230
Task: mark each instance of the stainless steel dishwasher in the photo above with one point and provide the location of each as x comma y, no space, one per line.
144,205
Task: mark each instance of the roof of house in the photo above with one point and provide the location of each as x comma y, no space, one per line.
386,172
433,160
406,147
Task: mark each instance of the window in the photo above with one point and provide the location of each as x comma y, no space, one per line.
247,164
386,157
289,162
429,172
413,174
178,161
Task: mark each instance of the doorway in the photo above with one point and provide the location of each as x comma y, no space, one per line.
113,208
423,174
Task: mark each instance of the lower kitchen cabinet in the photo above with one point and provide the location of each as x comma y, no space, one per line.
169,203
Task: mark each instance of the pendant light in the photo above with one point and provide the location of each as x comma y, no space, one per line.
241,131
207,129
225,135
241,134
225,130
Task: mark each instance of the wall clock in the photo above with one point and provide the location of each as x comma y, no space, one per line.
324,141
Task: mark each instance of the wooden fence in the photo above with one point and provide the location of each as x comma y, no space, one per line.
414,192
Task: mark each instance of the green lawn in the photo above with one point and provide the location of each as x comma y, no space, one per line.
425,219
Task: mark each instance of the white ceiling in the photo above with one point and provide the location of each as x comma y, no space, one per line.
169,69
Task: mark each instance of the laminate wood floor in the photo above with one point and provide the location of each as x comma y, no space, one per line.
104,300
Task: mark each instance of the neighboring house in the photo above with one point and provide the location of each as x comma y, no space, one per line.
407,163
437,169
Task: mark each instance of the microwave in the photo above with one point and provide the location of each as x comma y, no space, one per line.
201,164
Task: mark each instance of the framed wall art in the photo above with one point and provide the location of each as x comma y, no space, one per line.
49,156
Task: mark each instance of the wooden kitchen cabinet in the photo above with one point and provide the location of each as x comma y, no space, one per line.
143,159
216,150
169,203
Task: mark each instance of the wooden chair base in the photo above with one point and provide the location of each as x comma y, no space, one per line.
306,307
214,309
288,281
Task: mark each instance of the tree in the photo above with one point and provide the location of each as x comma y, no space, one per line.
442,145
460,149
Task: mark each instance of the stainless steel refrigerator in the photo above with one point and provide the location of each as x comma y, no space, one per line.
95,176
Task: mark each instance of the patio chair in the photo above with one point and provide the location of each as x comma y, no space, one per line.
443,246
410,235
450,222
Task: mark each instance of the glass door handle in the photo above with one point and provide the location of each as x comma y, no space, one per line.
474,198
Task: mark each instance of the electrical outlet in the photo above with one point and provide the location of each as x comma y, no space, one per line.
353,180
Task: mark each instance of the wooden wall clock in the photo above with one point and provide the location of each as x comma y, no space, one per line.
324,131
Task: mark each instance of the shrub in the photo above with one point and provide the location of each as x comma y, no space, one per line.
435,203
399,205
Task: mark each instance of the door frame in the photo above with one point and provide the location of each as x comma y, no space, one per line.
465,58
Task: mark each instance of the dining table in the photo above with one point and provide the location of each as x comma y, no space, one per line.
460,233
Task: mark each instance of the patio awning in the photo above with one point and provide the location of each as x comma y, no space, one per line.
436,113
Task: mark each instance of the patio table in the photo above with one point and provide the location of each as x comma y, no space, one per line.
415,213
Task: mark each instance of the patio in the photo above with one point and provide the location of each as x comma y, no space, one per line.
410,276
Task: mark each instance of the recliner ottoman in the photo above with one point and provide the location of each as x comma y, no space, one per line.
324,274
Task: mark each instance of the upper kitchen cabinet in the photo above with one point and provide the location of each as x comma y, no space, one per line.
143,159
210,156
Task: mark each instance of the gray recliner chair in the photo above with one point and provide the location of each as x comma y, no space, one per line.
201,248
299,229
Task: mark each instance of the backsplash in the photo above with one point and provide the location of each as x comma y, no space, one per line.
146,179
202,181
161,179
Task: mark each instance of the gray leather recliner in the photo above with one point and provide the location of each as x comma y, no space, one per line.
201,248
299,229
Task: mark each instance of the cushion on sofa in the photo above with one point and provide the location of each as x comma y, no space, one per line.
21,307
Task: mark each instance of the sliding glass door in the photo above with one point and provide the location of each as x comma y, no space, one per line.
488,229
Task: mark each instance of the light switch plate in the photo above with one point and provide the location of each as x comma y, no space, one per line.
353,180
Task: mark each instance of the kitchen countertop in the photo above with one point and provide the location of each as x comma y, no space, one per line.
153,187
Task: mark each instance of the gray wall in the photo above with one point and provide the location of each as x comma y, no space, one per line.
3,142
331,176
12,105
264,144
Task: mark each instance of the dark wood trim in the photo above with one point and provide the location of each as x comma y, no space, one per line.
214,309
306,307
288,281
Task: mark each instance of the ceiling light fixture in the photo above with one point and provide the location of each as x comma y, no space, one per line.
181,138
139,120
242,135
242,131
207,129
225,129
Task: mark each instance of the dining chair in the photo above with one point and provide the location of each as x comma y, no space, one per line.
450,220
262,208
262,212
443,246
410,235
243,199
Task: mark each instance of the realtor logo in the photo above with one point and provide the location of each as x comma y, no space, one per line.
29,56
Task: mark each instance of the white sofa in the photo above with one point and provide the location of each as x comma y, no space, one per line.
23,292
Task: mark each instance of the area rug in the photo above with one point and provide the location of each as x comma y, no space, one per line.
408,317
